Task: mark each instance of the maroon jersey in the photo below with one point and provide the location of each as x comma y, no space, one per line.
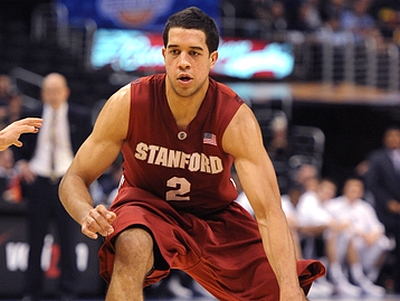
175,184
188,168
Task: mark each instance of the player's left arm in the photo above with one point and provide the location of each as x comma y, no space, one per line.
243,140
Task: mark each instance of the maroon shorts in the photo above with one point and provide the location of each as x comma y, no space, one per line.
221,251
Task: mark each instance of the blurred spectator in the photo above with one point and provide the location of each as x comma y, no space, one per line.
250,16
279,150
332,9
313,219
307,177
316,221
279,147
7,89
387,13
309,18
359,21
365,236
278,18
331,32
14,108
42,161
10,188
383,178
313,222
8,96
261,13
292,8
269,16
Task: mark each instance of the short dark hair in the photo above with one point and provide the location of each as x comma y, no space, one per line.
194,18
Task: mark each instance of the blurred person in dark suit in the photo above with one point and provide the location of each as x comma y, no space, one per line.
383,180
42,161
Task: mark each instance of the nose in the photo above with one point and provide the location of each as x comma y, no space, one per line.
184,60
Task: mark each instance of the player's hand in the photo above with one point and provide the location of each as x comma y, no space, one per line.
99,220
11,133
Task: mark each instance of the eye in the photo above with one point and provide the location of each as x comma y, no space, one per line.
174,52
194,53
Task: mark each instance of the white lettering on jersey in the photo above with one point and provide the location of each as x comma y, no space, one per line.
158,155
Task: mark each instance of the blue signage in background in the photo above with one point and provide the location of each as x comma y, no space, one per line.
129,39
139,51
147,15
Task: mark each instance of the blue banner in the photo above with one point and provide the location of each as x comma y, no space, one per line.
139,51
148,15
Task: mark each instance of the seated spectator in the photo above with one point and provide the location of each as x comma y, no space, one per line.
313,219
317,225
363,244
306,176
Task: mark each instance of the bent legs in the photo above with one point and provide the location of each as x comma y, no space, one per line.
133,260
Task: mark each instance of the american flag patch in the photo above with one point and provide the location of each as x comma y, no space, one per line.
210,139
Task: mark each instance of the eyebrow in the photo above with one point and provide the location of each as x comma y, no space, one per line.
191,47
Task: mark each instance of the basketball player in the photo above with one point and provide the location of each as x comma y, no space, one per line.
179,133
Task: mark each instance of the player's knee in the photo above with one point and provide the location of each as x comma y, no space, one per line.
134,243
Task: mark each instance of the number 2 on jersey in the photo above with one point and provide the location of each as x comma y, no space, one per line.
180,187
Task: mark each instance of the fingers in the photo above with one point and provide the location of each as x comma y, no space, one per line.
37,122
29,129
99,220
17,143
30,124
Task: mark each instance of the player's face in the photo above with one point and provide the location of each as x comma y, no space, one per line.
188,61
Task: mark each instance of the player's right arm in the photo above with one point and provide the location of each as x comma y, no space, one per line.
95,155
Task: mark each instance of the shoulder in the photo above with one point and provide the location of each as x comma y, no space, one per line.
120,99
114,116
148,81
242,135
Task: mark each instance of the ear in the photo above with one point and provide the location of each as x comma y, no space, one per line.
213,58
163,52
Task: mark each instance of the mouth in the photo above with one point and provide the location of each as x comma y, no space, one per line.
185,78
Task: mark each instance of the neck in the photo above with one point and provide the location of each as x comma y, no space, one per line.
185,108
